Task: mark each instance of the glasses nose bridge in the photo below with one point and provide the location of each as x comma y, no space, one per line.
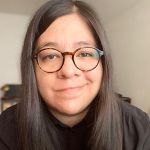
68,53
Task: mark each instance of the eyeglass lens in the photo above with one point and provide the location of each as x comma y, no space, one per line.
85,59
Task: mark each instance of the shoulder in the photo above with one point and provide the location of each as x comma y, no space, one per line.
8,114
136,127
132,112
8,117
8,127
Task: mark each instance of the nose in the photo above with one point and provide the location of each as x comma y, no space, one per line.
68,69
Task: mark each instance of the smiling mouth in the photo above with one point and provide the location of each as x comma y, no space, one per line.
69,93
70,89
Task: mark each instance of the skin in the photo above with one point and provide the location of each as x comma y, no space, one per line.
69,92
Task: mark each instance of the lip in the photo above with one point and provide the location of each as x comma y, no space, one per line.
71,88
70,92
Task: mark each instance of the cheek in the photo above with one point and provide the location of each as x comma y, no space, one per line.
44,81
95,76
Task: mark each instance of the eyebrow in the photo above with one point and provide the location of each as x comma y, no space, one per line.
46,44
54,44
85,43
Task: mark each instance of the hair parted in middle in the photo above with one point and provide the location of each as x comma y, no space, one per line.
34,131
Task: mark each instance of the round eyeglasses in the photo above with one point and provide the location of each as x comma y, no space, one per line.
51,60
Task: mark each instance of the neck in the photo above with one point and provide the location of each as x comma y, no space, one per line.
69,120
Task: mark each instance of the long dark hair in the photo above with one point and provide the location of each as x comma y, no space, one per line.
33,119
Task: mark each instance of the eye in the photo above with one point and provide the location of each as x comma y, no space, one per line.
85,54
49,56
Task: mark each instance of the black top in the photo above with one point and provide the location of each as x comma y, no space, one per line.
136,130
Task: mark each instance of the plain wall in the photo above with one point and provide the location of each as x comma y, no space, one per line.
129,37
12,30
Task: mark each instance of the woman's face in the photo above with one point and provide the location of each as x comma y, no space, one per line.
69,91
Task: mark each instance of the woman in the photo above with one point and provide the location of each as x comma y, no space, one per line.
68,101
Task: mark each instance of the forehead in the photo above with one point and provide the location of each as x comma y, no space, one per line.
68,30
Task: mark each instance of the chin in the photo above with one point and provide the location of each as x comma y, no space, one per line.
72,111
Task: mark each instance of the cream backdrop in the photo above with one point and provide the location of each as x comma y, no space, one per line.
129,37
